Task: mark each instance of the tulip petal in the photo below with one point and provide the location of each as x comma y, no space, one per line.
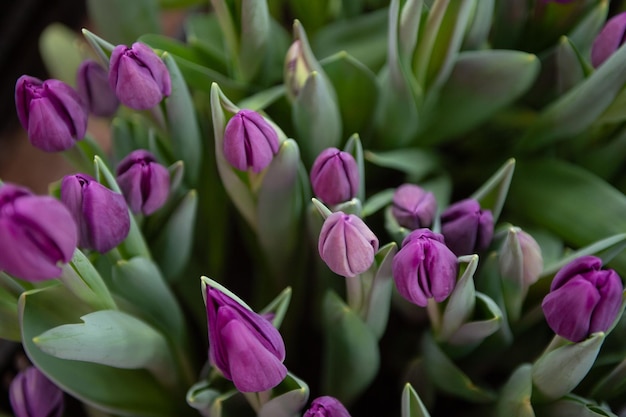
106,216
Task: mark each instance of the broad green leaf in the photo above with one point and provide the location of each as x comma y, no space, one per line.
448,377
185,137
570,68
351,356
570,202
91,279
119,391
487,320
121,21
514,399
481,83
254,36
416,163
59,50
357,91
412,405
557,372
575,111
377,202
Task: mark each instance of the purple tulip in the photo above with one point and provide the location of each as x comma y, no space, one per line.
33,395
250,142
583,299
144,182
101,214
36,232
243,345
413,207
346,244
51,112
424,268
335,176
326,407
610,38
138,76
466,227
93,86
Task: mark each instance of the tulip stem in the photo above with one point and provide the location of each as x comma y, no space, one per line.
354,292
432,309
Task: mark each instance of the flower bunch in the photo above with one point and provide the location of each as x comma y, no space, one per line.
406,208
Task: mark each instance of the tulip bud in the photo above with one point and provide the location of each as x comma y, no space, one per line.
326,407
297,69
93,86
144,182
608,40
335,176
243,345
101,214
346,244
138,76
413,207
51,111
520,258
466,227
424,268
583,299
33,395
250,142
36,232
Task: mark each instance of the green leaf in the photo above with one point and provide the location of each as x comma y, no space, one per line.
204,34
263,99
416,163
479,26
108,337
101,47
288,398
557,372
475,331
575,111
134,392
552,194
357,91
460,305
379,290
173,245
448,377
588,28
91,279
185,137
492,194
514,399
377,202
351,357
9,325
481,83
278,307
58,48
254,36
574,406
570,67
179,4
121,21
412,405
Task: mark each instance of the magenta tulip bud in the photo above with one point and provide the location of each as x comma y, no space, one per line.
138,76
51,112
250,142
36,233
243,345
413,207
335,176
101,214
610,38
424,268
466,227
144,182
326,407
346,244
93,86
32,394
583,299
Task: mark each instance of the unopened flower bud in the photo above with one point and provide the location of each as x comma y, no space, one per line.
36,233
326,407
51,112
93,86
520,258
335,176
466,227
297,69
583,299
32,394
424,268
144,182
413,207
138,76
346,244
250,142
101,214
243,345
610,38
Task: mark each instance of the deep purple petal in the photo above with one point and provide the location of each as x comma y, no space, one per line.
610,287
326,407
334,176
579,266
106,217
608,40
33,395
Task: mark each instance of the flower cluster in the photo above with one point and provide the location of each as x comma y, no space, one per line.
342,182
